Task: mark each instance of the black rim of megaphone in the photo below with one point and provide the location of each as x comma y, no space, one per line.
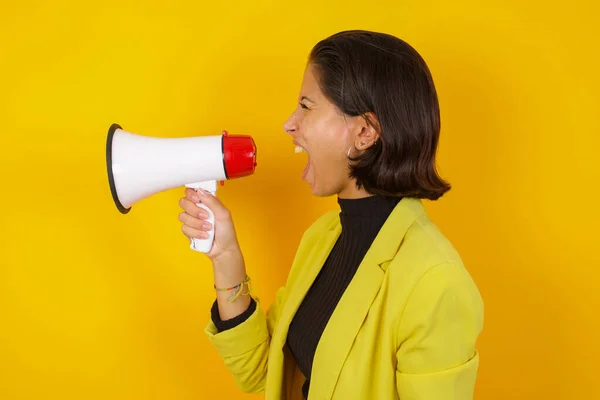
111,178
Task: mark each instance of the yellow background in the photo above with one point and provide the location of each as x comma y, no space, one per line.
97,305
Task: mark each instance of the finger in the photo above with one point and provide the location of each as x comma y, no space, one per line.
195,223
192,209
193,233
191,195
214,204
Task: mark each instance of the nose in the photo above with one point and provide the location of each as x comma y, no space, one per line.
291,125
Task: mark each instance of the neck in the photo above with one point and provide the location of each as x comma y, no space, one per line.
352,192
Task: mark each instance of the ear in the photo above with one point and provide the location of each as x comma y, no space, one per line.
368,131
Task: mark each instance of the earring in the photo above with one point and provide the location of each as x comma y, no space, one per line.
362,144
372,142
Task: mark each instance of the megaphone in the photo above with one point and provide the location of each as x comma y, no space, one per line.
140,166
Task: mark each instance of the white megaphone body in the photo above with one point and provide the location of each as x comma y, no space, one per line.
140,166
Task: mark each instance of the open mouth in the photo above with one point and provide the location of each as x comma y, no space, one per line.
300,149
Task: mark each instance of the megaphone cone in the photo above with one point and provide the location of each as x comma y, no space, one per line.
140,166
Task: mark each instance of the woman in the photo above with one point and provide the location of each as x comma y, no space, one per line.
378,304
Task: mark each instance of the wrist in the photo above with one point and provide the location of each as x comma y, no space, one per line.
229,259
229,269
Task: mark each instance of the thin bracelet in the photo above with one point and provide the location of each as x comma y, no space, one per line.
237,288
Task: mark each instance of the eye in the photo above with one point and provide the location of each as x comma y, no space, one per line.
303,106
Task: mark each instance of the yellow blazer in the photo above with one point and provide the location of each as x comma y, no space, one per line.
405,328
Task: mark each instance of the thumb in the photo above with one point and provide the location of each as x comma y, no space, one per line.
213,202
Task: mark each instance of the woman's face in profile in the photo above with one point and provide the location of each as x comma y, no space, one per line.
322,131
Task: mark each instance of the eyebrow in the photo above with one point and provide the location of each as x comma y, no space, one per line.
306,98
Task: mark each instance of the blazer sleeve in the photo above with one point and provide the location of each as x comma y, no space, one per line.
233,322
245,347
437,357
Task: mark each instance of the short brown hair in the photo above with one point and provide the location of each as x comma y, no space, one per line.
364,72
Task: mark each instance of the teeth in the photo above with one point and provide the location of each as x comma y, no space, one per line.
299,149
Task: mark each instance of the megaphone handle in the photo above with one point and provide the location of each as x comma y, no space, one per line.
204,245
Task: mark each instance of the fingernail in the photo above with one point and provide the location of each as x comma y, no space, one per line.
196,199
203,214
206,225
204,235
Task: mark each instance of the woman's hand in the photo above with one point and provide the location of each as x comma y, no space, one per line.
195,224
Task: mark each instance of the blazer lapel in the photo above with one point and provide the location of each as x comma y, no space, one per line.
352,309
309,273
310,268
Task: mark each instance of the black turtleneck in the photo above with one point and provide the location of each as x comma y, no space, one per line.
361,220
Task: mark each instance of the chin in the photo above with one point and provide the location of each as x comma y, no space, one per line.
322,194
323,191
